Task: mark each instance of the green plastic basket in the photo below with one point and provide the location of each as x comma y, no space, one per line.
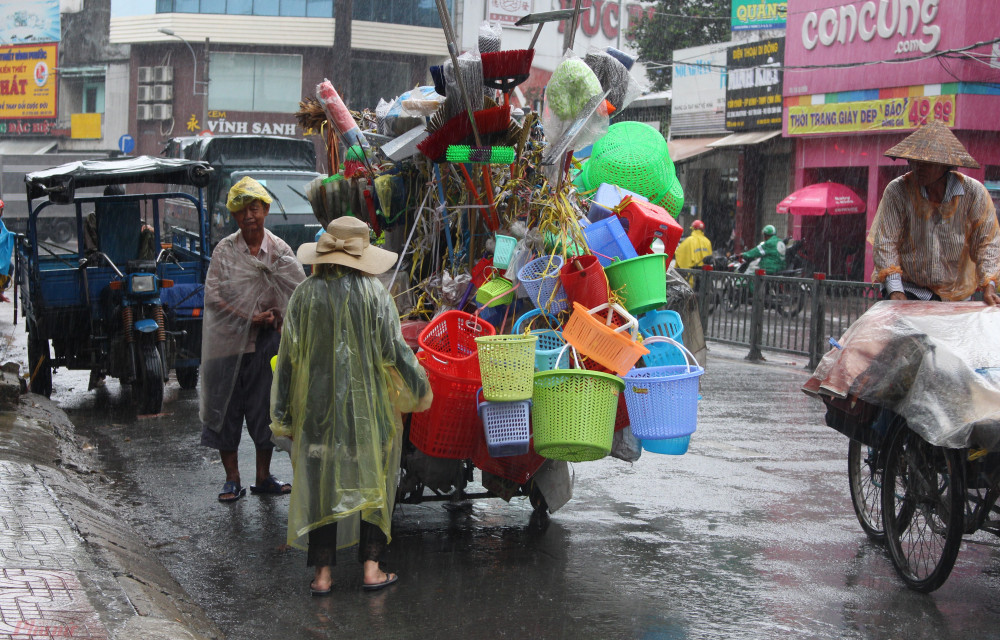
507,365
642,281
573,414
503,251
634,156
493,288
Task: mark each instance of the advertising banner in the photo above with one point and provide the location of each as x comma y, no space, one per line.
699,90
27,82
892,114
507,12
759,14
753,85
29,21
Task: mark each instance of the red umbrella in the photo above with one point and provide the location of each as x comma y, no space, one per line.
820,199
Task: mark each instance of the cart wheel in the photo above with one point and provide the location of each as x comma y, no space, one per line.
187,377
147,390
39,363
923,509
864,476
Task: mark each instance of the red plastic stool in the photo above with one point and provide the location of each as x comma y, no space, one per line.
646,222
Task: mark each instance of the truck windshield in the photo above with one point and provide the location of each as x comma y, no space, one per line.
287,187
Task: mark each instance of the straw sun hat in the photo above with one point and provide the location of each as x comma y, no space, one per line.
346,242
934,143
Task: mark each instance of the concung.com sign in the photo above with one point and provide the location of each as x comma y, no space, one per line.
908,22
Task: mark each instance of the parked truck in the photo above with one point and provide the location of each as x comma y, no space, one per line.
283,165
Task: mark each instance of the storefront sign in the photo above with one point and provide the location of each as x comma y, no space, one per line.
27,84
31,21
907,23
507,12
759,14
28,128
606,17
753,86
223,122
890,114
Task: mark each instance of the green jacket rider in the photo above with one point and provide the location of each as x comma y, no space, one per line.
771,252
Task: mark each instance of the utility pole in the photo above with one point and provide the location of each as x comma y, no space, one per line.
342,61
204,95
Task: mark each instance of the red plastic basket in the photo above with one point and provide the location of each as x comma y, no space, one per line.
647,221
451,427
451,339
517,469
587,285
621,417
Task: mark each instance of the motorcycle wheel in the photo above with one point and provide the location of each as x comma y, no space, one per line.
63,230
187,377
731,294
791,299
147,390
39,363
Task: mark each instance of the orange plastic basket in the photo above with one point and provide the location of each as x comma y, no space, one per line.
612,347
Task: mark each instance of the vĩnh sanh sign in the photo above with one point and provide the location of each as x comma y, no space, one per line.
758,14
889,114
27,85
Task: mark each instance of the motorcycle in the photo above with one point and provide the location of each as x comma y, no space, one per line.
787,298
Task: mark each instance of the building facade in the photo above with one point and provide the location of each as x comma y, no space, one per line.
860,76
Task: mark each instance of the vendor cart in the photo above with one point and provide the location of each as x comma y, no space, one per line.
914,386
118,300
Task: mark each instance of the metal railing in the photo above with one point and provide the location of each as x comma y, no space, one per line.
791,315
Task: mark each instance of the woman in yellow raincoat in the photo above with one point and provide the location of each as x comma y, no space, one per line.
343,375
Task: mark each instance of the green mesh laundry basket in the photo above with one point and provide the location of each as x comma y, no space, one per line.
573,413
634,156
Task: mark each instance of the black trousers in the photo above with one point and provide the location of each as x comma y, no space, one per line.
323,545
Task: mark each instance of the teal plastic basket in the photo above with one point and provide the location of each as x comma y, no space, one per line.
503,251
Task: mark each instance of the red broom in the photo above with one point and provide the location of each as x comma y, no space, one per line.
504,70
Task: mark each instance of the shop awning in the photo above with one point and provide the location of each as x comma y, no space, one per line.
26,147
740,139
682,149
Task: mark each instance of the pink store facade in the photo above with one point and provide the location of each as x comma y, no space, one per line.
859,77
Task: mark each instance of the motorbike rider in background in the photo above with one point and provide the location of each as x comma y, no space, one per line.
769,254
695,249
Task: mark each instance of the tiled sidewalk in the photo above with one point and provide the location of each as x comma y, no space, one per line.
41,562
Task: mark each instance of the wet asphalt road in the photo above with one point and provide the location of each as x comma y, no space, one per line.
749,535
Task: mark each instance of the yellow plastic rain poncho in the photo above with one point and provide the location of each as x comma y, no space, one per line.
238,286
342,376
951,249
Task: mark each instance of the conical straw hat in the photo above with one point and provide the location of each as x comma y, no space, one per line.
935,143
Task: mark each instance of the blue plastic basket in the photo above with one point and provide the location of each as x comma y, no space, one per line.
550,342
506,425
669,446
540,278
503,251
667,324
607,240
663,401
606,198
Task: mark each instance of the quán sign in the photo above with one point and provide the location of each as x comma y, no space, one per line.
886,19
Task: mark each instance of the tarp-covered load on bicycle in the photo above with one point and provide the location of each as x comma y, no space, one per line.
916,386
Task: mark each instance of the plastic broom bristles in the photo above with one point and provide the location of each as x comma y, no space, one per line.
480,155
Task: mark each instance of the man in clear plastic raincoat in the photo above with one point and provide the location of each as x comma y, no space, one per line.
249,281
343,375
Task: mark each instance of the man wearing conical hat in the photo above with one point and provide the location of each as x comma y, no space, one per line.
935,235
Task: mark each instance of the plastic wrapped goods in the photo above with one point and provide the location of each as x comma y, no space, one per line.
343,375
338,114
930,362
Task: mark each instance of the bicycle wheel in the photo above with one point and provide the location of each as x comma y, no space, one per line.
923,509
864,476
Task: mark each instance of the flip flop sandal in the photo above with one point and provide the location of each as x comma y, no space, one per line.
389,579
234,488
271,486
320,592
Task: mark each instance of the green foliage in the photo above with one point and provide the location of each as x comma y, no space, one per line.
679,24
